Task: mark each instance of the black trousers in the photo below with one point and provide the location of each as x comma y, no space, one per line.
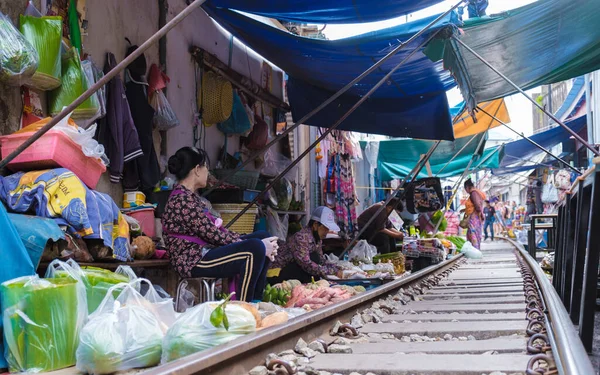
384,243
246,258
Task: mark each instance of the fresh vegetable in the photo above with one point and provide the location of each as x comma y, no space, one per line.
45,35
18,59
437,216
275,319
193,331
218,316
457,241
278,296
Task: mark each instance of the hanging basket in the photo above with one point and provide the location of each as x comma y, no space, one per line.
216,99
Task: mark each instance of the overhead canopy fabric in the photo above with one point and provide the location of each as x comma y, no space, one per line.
398,157
465,126
545,42
523,149
412,104
327,11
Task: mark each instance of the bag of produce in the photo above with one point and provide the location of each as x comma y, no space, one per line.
362,252
18,59
42,319
45,34
194,331
164,116
74,83
122,334
95,281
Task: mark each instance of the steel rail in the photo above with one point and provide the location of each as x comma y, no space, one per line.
253,348
104,80
331,99
568,350
530,140
516,87
334,126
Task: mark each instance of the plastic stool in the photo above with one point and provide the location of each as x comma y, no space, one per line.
206,294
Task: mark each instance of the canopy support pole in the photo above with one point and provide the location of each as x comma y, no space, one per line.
457,184
103,81
330,129
554,118
412,174
530,140
327,102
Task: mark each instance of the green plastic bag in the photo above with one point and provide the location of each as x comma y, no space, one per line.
42,319
18,59
45,34
95,282
74,83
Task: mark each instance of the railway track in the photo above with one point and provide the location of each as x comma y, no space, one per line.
492,316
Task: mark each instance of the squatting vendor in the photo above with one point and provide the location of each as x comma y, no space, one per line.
301,257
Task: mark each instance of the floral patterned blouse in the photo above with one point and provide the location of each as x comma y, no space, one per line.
186,215
298,249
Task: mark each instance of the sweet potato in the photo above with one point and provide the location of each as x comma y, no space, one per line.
275,319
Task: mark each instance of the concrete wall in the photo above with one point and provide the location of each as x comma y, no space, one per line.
200,30
110,22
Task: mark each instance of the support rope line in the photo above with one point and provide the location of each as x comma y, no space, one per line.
531,141
554,118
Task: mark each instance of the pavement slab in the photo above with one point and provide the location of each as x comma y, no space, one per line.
453,316
491,308
511,344
479,329
413,364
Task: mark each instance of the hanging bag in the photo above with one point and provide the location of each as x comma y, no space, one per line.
424,195
562,179
259,136
550,191
238,122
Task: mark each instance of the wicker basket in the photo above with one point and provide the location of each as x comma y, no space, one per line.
216,99
242,179
245,224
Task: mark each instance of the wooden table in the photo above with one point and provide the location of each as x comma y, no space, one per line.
172,278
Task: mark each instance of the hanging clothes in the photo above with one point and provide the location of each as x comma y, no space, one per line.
340,191
143,173
117,131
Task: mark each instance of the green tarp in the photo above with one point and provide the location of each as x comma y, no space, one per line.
545,42
399,156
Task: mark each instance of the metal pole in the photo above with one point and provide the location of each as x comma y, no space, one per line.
574,134
589,118
334,97
412,174
531,141
104,80
456,155
329,130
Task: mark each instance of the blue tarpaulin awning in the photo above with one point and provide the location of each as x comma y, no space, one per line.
412,104
327,11
523,149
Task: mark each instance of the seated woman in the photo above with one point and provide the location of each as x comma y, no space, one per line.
198,245
301,257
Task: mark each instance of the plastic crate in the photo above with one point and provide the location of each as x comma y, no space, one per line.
242,179
245,224
54,149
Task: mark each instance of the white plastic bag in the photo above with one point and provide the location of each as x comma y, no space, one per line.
161,307
164,116
363,252
122,334
193,331
275,163
83,137
277,226
470,251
